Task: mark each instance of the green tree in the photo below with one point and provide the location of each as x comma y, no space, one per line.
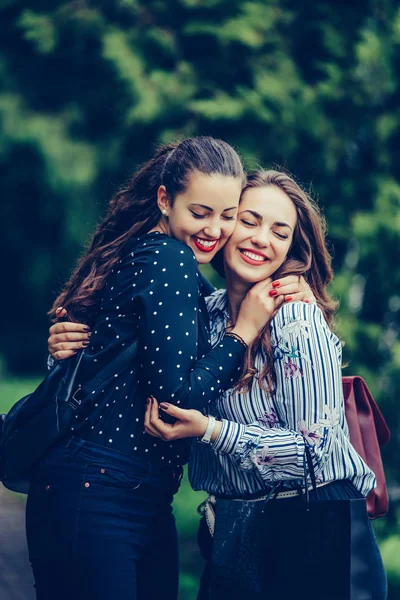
88,89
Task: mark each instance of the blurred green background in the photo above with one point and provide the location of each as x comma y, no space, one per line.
88,88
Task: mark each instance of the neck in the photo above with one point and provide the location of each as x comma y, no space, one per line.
237,290
162,227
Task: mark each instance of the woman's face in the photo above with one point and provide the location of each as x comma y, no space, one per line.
263,234
204,216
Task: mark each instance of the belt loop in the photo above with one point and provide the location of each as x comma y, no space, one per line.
273,492
79,444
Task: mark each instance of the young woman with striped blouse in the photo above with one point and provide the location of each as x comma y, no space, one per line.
289,396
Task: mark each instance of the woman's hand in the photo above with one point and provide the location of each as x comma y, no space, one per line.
293,288
264,298
66,339
256,310
189,422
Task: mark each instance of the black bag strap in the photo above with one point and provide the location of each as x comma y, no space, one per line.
115,367
309,470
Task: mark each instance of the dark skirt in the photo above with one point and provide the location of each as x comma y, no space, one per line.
252,554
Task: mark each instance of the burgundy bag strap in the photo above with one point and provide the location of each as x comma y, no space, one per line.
354,386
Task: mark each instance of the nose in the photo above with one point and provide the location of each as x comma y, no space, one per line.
261,239
213,231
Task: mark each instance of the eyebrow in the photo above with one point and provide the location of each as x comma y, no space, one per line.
259,217
209,207
282,224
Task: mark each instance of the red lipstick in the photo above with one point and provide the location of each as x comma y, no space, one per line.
202,247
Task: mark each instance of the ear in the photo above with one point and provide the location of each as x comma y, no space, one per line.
163,201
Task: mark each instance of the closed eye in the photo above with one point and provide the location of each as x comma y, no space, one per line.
197,216
248,223
281,236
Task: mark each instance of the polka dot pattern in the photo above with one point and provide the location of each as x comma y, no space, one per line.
140,301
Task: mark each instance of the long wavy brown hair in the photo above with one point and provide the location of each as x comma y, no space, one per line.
133,211
308,256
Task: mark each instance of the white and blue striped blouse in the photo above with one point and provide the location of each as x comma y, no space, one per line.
263,436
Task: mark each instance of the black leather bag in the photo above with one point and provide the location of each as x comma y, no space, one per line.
298,547
40,419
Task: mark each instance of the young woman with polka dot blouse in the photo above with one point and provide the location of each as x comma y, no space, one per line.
99,519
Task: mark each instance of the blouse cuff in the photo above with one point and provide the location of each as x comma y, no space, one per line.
232,355
228,437
233,344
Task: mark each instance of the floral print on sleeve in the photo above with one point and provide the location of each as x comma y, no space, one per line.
285,348
307,396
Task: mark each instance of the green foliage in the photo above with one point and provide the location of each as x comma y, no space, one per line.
390,550
11,390
88,89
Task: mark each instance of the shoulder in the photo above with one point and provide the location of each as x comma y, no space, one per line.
160,250
298,311
152,242
298,319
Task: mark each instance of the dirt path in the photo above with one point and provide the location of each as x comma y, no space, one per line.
16,582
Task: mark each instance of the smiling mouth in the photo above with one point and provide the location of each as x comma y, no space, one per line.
205,245
253,258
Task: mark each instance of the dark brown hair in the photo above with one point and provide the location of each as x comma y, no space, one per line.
133,211
308,256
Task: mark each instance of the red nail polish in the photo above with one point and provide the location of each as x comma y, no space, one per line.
273,293
164,405
306,301
288,298
275,284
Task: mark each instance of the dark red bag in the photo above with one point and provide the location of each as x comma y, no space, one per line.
368,433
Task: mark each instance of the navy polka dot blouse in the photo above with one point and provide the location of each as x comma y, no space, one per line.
154,294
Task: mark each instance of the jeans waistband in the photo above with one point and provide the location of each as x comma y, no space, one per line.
80,447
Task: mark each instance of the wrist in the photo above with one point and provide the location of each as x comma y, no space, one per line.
246,333
217,431
207,437
204,425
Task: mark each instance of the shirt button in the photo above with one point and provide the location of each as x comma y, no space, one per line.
102,471
47,487
87,485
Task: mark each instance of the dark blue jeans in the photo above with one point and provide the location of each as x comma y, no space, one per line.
100,526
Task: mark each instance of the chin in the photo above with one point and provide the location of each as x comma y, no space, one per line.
203,260
254,279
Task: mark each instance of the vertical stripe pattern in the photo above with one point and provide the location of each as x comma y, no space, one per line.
263,435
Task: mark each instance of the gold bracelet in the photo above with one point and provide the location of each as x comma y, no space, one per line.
236,337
